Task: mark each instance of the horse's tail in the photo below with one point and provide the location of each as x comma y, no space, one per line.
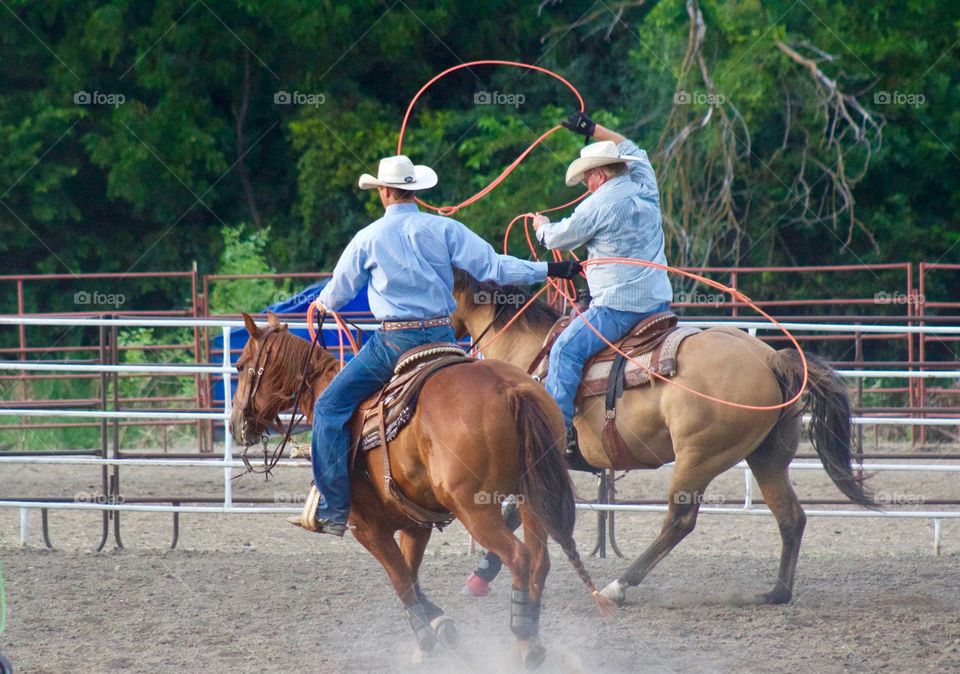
545,483
830,424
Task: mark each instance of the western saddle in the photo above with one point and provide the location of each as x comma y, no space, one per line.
651,349
379,420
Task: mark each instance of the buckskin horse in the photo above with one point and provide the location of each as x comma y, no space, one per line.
481,428
660,423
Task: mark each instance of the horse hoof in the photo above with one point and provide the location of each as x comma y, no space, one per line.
446,631
532,653
615,592
773,597
420,655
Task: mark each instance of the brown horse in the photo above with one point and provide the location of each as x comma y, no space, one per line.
482,428
662,423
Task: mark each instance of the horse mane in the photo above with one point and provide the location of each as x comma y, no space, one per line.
509,300
282,375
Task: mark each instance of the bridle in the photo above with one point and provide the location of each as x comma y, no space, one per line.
261,359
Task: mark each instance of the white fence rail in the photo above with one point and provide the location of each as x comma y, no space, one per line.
228,463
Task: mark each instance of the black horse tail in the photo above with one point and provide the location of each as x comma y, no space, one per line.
830,425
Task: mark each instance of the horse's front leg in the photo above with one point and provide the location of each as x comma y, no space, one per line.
413,543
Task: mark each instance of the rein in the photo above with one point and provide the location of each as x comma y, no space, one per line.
269,463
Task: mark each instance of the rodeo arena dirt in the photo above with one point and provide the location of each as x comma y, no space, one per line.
157,559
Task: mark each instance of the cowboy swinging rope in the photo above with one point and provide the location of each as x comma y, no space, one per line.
564,289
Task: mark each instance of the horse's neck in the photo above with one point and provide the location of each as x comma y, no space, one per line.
518,345
324,368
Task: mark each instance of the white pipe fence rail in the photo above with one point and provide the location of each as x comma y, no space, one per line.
228,463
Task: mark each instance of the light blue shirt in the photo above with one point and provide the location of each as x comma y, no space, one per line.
621,219
407,258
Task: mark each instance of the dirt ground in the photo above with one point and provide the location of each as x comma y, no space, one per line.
249,593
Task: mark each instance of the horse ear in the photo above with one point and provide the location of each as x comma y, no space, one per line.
251,326
272,320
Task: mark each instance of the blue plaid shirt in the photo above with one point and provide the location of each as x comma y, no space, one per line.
621,219
407,257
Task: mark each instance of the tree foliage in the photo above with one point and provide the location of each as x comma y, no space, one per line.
811,132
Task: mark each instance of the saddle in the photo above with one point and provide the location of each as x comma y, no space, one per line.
380,419
651,345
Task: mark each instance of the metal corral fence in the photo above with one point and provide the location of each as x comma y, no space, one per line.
114,502
833,294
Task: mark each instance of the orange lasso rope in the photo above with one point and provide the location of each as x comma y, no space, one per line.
565,288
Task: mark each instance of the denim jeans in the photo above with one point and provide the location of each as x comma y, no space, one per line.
363,376
578,343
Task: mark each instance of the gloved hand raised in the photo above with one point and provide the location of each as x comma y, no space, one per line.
566,269
580,122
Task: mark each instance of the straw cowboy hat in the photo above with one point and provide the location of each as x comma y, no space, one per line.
594,156
400,172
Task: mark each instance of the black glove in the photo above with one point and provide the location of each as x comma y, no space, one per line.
579,122
566,269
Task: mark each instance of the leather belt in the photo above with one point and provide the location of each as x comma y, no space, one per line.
409,325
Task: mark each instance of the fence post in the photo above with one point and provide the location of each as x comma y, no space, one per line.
227,412
24,526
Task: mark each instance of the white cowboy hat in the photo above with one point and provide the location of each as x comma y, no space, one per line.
401,173
593,156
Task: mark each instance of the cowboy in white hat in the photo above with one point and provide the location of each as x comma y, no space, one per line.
620,218
406,260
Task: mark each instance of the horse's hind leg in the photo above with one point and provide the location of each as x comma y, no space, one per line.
413,543
532,651
376,536
486,525
683,498
769,465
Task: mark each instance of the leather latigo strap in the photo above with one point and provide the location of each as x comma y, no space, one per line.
437,322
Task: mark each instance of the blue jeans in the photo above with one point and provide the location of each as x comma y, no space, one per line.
578,343
358,380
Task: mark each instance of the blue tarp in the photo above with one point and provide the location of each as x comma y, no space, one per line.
296,304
